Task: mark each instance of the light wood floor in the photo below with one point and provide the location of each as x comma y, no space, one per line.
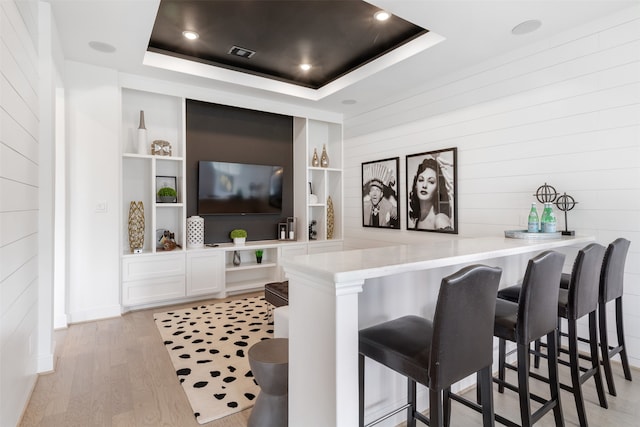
116,372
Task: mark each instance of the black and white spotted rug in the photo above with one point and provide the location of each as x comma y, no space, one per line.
208,346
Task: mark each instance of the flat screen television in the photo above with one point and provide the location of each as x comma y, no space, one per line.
239,188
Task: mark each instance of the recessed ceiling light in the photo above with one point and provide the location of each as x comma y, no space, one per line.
190,35
102,47
305,67
526,27
382,15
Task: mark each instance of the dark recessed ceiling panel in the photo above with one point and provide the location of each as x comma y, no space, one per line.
334,36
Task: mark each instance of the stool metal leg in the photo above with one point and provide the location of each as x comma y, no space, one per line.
604,347
595,360
554,380
446,405
621,344
574,367
361,387
435,409
411,410
502,350
523,384
486,386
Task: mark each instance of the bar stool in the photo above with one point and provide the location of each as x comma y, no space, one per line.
457,343
579,300
611,288
533,317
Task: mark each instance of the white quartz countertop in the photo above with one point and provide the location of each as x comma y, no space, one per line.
356,265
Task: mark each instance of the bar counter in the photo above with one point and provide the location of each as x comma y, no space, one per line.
333,295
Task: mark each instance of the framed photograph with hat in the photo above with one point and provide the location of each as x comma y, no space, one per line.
380,194
431,191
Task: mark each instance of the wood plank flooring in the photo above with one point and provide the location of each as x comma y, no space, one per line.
116,372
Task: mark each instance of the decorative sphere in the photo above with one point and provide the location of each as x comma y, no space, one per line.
546,194
565,202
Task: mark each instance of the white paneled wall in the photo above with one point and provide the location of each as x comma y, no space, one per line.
565,111
18,205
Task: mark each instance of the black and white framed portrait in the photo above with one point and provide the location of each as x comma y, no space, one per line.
431,191
380,193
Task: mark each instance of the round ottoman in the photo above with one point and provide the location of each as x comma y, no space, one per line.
269,361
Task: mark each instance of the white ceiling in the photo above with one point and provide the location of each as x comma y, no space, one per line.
474,31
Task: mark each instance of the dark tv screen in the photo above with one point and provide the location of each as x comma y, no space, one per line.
239,188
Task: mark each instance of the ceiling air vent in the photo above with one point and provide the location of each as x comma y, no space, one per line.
241,52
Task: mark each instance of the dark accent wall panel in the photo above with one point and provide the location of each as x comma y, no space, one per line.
231,134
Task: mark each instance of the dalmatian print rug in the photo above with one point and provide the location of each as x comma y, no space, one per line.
208,345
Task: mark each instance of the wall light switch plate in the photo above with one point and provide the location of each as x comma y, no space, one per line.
101,206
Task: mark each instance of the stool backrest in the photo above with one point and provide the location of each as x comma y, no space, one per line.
585,281
462,342
612,275
538,303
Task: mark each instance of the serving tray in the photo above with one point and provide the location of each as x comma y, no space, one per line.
524,234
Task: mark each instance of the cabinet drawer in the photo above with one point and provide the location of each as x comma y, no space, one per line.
149,291
205,273
150,267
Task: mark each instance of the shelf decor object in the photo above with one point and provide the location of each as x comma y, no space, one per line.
259,253
166,189
313,234
315,161
136,227
142,135
239,236
432,209
380,193
565,203
324,159
161,148
195,232
330,218
236,258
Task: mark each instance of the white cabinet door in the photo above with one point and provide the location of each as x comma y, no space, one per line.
152,278
205,272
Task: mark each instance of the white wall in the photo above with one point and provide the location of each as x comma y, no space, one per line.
93,138
565,111
19,174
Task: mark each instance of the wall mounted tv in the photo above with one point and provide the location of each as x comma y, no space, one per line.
239,188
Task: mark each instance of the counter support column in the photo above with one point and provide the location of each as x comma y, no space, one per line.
323,351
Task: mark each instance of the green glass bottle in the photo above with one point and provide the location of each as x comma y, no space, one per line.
544,217
534,221
551,222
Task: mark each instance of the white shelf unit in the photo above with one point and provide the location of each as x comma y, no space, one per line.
324,182
159,277
250,275
164,120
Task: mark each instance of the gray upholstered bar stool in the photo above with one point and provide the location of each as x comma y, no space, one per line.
574,303
611,288
457,343
532,317
269,361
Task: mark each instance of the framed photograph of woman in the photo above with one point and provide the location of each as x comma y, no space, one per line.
431,191
380,193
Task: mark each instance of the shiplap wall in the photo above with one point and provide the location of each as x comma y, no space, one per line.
565,111
18,205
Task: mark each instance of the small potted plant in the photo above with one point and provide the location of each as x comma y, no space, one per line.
239,236
259,253
167,195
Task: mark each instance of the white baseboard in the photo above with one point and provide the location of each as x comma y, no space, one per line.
97,313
